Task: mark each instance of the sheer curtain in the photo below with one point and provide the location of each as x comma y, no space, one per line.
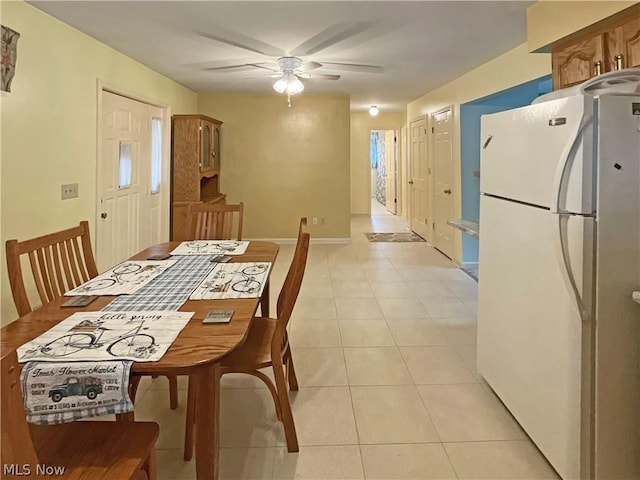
156,154
124,165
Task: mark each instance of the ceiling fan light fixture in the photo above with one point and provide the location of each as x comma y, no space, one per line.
289,84
373,110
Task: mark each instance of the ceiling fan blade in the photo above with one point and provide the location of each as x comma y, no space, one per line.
229,67
330,36
272,67
238,40
262,77
325,76
354,67
308,66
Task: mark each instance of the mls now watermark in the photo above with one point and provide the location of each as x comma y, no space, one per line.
26,469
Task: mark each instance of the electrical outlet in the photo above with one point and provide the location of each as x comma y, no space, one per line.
69,190
314,220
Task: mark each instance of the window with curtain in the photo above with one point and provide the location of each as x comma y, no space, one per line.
124,165
373,150
156,154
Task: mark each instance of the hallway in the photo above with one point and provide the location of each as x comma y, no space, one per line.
384,343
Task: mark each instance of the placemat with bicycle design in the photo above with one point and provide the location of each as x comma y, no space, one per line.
233,280
211,247
98,336
128,277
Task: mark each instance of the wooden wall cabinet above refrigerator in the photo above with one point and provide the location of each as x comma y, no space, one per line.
612,44
195,166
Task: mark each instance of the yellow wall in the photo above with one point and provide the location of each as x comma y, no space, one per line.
548,21
361,126
49,124
513,68
284,163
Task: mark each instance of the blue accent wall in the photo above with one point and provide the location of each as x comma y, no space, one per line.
470,114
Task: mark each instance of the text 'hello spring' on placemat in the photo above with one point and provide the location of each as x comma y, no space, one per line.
98,336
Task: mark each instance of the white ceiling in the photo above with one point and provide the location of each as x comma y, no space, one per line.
418,45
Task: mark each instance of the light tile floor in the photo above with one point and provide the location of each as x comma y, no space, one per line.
383,339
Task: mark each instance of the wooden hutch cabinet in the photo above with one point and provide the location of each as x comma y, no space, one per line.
195,167
612,44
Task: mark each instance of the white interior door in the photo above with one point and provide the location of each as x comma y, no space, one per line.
129,213
443,182
403,171
390,170
418,190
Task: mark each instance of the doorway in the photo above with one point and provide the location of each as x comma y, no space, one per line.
383,156
470,116
443,181
132,178
418,179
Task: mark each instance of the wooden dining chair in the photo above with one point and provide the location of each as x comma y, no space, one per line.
59,262
267,345
207,221
86,450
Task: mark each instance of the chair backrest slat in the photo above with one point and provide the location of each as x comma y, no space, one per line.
52,275
59,262
17,445
291,287
66,261
77,265
88,266
214,221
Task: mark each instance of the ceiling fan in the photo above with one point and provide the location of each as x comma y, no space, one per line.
288,66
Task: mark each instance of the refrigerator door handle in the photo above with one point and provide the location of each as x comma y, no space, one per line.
562,255
564,166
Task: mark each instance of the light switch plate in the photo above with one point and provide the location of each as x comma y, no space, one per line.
69,190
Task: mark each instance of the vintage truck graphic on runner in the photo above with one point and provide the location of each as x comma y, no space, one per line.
74,386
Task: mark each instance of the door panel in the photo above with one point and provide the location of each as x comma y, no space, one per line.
390,170
576,62
418,179
443,182
129,217
631,43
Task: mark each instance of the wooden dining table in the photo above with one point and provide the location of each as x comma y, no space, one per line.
196,351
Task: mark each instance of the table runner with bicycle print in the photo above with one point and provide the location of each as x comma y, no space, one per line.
141,336
233,280
126,278
211,247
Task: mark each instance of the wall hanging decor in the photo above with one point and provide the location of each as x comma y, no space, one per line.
9,54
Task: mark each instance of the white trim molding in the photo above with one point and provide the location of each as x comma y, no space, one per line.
316,241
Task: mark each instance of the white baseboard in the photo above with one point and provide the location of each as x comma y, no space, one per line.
317,241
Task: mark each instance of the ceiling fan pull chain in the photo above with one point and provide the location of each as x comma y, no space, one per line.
289,100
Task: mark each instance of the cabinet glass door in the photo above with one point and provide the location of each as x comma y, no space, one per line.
216,148
205,163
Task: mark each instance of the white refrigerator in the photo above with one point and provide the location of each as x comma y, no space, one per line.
558,329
